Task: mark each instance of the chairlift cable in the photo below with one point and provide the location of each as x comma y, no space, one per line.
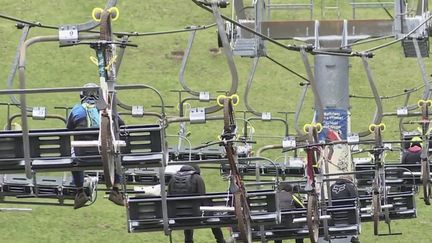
408,91
386,10
29,23
368,40
287,68
186,29
401,38
118,34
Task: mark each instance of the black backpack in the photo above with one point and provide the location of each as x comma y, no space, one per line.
343,190
182,183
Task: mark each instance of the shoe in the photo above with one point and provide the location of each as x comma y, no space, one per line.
80,200
116,197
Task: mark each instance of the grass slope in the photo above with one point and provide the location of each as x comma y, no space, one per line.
151,63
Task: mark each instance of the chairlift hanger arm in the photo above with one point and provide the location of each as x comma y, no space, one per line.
313,84
184,63
299,108
379,109
228,54
181,105
273,119
249,85
10,121
12,73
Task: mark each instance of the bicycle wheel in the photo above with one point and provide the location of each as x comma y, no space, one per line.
376,206
426,182
241,207
229,120
313,217
106,35
107,152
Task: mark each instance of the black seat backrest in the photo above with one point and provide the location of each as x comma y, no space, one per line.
184,208
262,203
141,139
87,151
11,146
145,210
43,146
344,217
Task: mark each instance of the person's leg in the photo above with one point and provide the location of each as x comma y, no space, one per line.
278,241
115,195
218,235
78,178
188,236
117,181
298,240
80,197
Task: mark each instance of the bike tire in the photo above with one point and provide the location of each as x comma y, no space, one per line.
242,212
106,152
376,205
426,183
106,35
313,218
229,119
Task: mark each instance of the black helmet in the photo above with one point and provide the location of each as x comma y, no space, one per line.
89,94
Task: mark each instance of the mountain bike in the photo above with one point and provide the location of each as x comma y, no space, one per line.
378,190
241,206
313,155
425,135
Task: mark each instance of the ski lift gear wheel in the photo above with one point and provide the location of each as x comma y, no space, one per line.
106,151
313,217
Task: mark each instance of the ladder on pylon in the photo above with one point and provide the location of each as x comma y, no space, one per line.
332,5
280,5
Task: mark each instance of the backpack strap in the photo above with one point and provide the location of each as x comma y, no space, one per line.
93,118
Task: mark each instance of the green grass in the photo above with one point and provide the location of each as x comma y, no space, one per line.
151,63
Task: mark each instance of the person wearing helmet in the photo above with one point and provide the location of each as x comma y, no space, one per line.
85,115
412,154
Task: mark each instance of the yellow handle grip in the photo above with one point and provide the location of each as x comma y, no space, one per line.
96,14
94,60
115,13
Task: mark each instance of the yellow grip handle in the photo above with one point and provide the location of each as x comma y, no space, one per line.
96,14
